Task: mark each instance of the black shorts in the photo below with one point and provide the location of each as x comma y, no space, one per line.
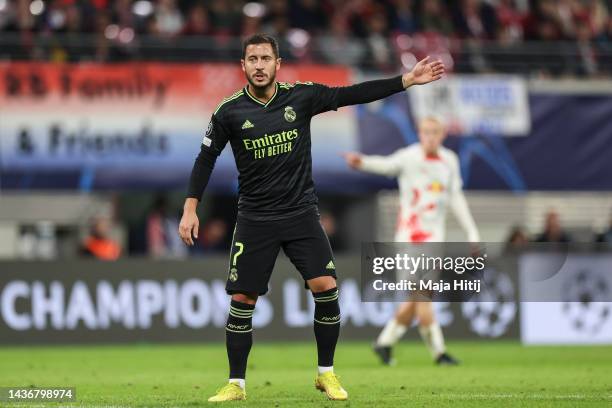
256,244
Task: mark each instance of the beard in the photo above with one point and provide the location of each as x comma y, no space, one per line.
262,86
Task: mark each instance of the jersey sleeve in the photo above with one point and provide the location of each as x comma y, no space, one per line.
327,98
213,142
390,166
216,136
324,98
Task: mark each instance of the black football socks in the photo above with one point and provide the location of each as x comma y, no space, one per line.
239,337
326,325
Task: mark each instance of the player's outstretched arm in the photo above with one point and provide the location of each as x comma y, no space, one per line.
424,72
389,166
353,160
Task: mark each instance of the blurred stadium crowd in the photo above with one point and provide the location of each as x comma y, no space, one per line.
543,37
155,235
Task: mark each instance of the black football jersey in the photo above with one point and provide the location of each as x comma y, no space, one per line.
272,147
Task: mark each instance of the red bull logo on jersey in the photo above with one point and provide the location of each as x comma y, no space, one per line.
436,187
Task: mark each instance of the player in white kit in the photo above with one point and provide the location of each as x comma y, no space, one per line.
429,182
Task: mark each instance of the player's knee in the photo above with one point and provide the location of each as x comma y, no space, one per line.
425,319
405,313
322,284
327,308
248,298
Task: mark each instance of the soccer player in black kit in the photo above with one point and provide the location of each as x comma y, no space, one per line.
267,124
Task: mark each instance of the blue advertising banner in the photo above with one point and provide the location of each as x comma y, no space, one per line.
568,147
138,126
134,125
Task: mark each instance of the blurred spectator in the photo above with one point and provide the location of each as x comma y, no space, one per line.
553,231
74,19
38,241
122,14
308,15
474,19
403,16
8,16
279,28
252,25
98,243
225,17
169,18
545,22
586,50
511,22
435,18
380,52
605,236
102,52
517,237
276,9
338,47
198,22
329,222
213,236
357,14
599,18
151,27
163,240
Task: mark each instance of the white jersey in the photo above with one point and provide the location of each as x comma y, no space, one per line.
427,187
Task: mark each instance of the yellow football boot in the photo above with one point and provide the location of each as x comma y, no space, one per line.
329,383
229,392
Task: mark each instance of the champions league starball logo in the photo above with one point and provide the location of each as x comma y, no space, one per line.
206,140
492,311
585,306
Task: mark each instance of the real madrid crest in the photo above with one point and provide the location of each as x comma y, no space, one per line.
233,276
290,114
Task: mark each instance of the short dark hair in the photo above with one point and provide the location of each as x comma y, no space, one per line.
260,39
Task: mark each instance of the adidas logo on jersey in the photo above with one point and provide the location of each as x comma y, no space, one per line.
330,265
247,124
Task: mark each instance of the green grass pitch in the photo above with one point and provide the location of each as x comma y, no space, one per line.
499,374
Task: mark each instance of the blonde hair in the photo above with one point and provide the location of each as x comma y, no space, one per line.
433,118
